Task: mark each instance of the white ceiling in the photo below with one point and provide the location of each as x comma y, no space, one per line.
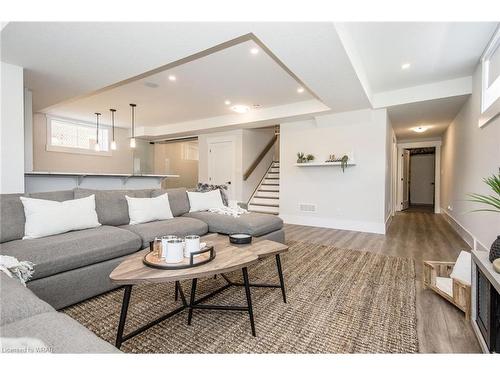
64,60
199,91
436,51
434,114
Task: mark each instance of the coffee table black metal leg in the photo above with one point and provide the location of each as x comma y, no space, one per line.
123,315
192,300
280,274
176,297
249,299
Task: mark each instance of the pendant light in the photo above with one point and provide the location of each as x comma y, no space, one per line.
132,140
113,143
97,148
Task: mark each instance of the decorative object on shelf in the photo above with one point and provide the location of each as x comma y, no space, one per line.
331,158
494,202
97,148
132,139
309,157
301,157
240,238
113,143
343,162
496,265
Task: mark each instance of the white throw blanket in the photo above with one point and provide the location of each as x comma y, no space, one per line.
230,211
12,267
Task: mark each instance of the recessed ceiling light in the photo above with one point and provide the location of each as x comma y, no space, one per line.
227,102
254,51
172,78
256,106
240,108
300,90
405,66
420,129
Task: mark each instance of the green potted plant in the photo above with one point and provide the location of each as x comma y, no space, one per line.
492,202
343,162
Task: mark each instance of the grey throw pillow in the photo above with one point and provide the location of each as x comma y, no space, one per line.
204,187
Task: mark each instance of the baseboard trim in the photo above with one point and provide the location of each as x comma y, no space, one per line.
323,222
463,232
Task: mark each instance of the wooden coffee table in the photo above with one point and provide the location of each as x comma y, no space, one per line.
229,257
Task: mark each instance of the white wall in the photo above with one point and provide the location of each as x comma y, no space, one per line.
28,130
12,129
421,174
354,200
390,165
470,153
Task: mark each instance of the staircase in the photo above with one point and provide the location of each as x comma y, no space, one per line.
266,198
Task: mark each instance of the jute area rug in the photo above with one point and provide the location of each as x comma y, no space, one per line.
339,301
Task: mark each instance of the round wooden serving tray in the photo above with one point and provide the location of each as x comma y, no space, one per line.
205,255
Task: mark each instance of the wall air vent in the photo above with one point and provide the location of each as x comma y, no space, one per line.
306,207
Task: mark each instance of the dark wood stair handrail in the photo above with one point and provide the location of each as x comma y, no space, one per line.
259,158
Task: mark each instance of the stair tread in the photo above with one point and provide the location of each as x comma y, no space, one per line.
264,204
264,212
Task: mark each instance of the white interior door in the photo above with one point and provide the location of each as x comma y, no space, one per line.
221,165
406,180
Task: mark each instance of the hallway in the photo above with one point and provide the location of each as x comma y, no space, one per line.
422,236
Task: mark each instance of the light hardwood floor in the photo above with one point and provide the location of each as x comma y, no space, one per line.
442,328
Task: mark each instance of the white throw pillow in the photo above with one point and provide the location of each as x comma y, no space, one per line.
204,201
46,218
144,210
462,270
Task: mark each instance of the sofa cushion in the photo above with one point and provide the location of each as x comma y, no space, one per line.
111,205
59,333
178,199
59,196
12,212
178,226
250,223
67,251
17,301
11,217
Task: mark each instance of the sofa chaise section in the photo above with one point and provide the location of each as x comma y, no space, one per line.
254,224
23,315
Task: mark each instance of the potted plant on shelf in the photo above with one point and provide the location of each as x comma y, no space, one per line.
493,202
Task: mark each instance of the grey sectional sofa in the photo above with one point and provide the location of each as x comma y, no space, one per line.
75,266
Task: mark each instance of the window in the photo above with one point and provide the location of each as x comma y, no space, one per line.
76,137
490,85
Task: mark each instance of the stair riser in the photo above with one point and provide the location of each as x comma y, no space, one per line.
269,187
275,170
267,194
257,200
271,181
271,210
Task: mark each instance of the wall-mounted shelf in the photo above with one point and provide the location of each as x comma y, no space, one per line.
324,164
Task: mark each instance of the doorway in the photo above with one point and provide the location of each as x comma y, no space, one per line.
418,177
221,165
421,195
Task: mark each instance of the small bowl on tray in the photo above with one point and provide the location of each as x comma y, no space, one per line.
240,238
